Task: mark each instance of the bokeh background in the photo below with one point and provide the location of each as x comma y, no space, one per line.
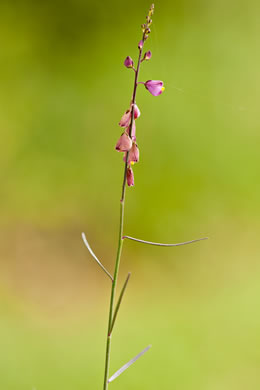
63,90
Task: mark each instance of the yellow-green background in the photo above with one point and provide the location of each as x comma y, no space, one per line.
63,91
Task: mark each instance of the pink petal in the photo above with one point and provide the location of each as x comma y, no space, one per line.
133,155
130,177
125,120
155,87
124,143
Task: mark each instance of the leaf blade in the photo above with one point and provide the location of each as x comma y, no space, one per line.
128,364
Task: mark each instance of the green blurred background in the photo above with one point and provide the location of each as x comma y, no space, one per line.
63,90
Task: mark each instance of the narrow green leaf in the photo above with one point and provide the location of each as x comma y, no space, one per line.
119,302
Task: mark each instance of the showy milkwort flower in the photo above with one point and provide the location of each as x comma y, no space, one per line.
126,118
124,143
155,87
133,155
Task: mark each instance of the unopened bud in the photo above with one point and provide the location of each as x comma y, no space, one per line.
128,62
130,177
147,55
140,44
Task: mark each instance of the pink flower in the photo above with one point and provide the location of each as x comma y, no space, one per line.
155,87
124,143
133,131
128,62
126,118
130,177
147,55
133,155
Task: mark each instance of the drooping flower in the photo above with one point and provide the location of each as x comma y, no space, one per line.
126,118
132,132
124,143
147,55
130,177
133,155
128,62
155,87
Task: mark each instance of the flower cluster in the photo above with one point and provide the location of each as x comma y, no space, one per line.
127,141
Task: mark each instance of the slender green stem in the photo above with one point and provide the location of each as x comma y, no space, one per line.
113,290
120,238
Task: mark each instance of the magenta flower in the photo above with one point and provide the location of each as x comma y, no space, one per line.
147,55
124,143
133,155
133,131
155,87
126,118
128,62
130,177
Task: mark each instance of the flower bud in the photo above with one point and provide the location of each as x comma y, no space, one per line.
147,55
140,44
155,87
130,177
128,62
124,143
137,112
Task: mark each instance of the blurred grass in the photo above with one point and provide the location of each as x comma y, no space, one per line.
63,91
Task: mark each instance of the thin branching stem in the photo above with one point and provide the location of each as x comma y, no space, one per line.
161,244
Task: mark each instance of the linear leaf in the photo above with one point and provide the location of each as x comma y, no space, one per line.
94,256
127,365
160,244
119,302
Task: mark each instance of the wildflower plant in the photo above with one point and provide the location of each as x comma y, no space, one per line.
127,145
